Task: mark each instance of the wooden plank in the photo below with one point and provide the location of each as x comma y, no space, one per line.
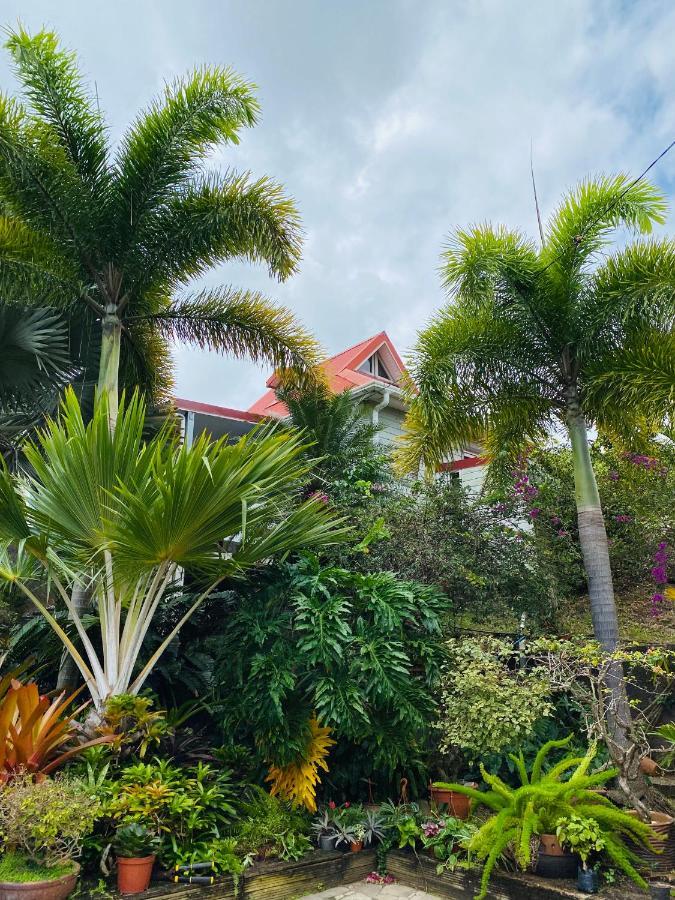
420,872
313,873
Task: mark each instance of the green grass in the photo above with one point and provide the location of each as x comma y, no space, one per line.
18,868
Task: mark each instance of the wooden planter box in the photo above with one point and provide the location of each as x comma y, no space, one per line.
420,872
274,880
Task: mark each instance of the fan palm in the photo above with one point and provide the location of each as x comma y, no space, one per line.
119,234
102,508
561,335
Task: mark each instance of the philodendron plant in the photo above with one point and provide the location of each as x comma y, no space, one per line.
123,516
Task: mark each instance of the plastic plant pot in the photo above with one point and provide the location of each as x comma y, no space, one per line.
588,881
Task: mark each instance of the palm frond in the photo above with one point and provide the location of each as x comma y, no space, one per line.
55,90
243,323
33,351
588,213
162,148
212,220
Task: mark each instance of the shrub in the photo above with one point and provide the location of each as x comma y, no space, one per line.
488,701
46,820
269,827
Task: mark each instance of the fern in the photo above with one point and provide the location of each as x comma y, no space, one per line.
541,801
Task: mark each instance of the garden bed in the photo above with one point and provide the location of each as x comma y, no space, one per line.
274,880
420,872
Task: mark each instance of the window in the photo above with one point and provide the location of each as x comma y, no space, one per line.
374,366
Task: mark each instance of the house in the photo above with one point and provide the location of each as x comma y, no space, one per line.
372,371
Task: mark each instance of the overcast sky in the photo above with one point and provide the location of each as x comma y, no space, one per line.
390,122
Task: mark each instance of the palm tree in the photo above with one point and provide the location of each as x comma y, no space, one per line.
557,335
343,439
104,508
118,234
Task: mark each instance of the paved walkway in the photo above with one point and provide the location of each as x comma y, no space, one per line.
362,891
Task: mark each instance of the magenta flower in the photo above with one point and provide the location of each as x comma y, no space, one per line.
623,518
534,512
614,475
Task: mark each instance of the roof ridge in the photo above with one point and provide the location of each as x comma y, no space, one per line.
357,344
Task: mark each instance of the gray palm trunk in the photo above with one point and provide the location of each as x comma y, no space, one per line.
615,715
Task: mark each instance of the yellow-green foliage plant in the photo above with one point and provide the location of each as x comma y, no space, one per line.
541,801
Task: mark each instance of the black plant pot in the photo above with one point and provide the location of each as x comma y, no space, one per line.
588,881
327,841
659,892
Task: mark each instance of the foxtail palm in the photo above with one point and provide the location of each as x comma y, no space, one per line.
118,234
103,501
557,335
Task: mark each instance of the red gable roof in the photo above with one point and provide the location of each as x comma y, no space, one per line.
342,373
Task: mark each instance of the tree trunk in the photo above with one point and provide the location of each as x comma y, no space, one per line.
595,551
69,677
109,366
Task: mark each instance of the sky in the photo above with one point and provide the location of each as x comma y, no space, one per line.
390,122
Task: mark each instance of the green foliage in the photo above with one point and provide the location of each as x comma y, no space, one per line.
46,821
489,701
363,651
543,799
135,724
580,835
270,827
637,491
134,841
187,807
448,839
347,459
20,869
667,733
438,534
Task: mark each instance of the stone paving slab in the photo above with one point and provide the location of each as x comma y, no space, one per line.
362,891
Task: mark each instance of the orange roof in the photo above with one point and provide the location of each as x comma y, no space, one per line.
342,373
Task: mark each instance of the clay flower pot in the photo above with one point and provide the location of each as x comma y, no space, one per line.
356,846
553,860
458,804
133,875
649,766
55,889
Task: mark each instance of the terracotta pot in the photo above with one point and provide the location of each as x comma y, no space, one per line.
133,875
56,889
356,846
458,804
662,824
553,861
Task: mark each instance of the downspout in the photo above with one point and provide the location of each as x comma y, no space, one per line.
386,395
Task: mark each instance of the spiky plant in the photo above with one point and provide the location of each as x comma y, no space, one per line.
543,799
123,516
297,780
115,235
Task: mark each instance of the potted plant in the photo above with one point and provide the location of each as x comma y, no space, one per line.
134,847
43,824
356,837
442,795
324,828
583,836
444,839
373,825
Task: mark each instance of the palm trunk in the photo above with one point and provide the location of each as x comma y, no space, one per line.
69,677
595,551
109,366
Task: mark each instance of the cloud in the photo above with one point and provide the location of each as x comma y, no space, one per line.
391,122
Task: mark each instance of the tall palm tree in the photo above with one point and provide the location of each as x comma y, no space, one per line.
557,335
118,234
